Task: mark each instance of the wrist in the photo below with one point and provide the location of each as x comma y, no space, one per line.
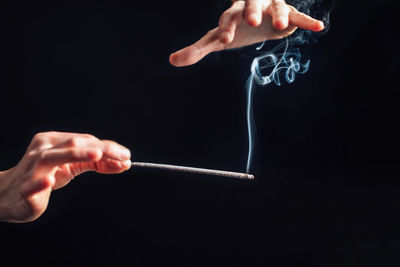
3,181
4,184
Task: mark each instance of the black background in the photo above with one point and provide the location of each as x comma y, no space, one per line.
327,188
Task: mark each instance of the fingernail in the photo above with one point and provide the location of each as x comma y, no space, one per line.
126,164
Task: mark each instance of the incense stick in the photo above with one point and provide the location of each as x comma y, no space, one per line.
168,167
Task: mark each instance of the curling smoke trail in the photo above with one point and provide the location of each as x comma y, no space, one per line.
287,63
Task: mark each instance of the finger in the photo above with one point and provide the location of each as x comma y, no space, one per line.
109,148
32,187
50,139
304,21
58,156
186,56
107,166
195,52
58,137
228,22
280,15
115,151
253,12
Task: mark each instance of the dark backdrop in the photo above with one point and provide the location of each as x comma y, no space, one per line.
327,188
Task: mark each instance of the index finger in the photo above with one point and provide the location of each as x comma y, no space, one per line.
110,149
59,156
53,138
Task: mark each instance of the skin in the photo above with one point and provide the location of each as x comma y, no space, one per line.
51,161
246,23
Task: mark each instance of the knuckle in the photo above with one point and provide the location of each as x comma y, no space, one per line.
39,139
51,133
287,9
31,155
73,141
30,160
279,7
222,28
276,4
220,21
38,135
251,9
76,170
254,4
238,3
73,154
197,48
236,16
291,8
89,136
224,17
41,157
226,13
108,144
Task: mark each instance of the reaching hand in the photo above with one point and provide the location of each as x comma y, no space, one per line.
242,25
51,161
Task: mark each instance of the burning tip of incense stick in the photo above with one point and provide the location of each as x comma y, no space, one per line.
229,174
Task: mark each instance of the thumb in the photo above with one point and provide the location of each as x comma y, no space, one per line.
194,53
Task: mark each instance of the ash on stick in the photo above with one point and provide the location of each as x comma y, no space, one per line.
168,167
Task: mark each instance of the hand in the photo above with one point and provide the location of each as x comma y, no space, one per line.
240,26
51,161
